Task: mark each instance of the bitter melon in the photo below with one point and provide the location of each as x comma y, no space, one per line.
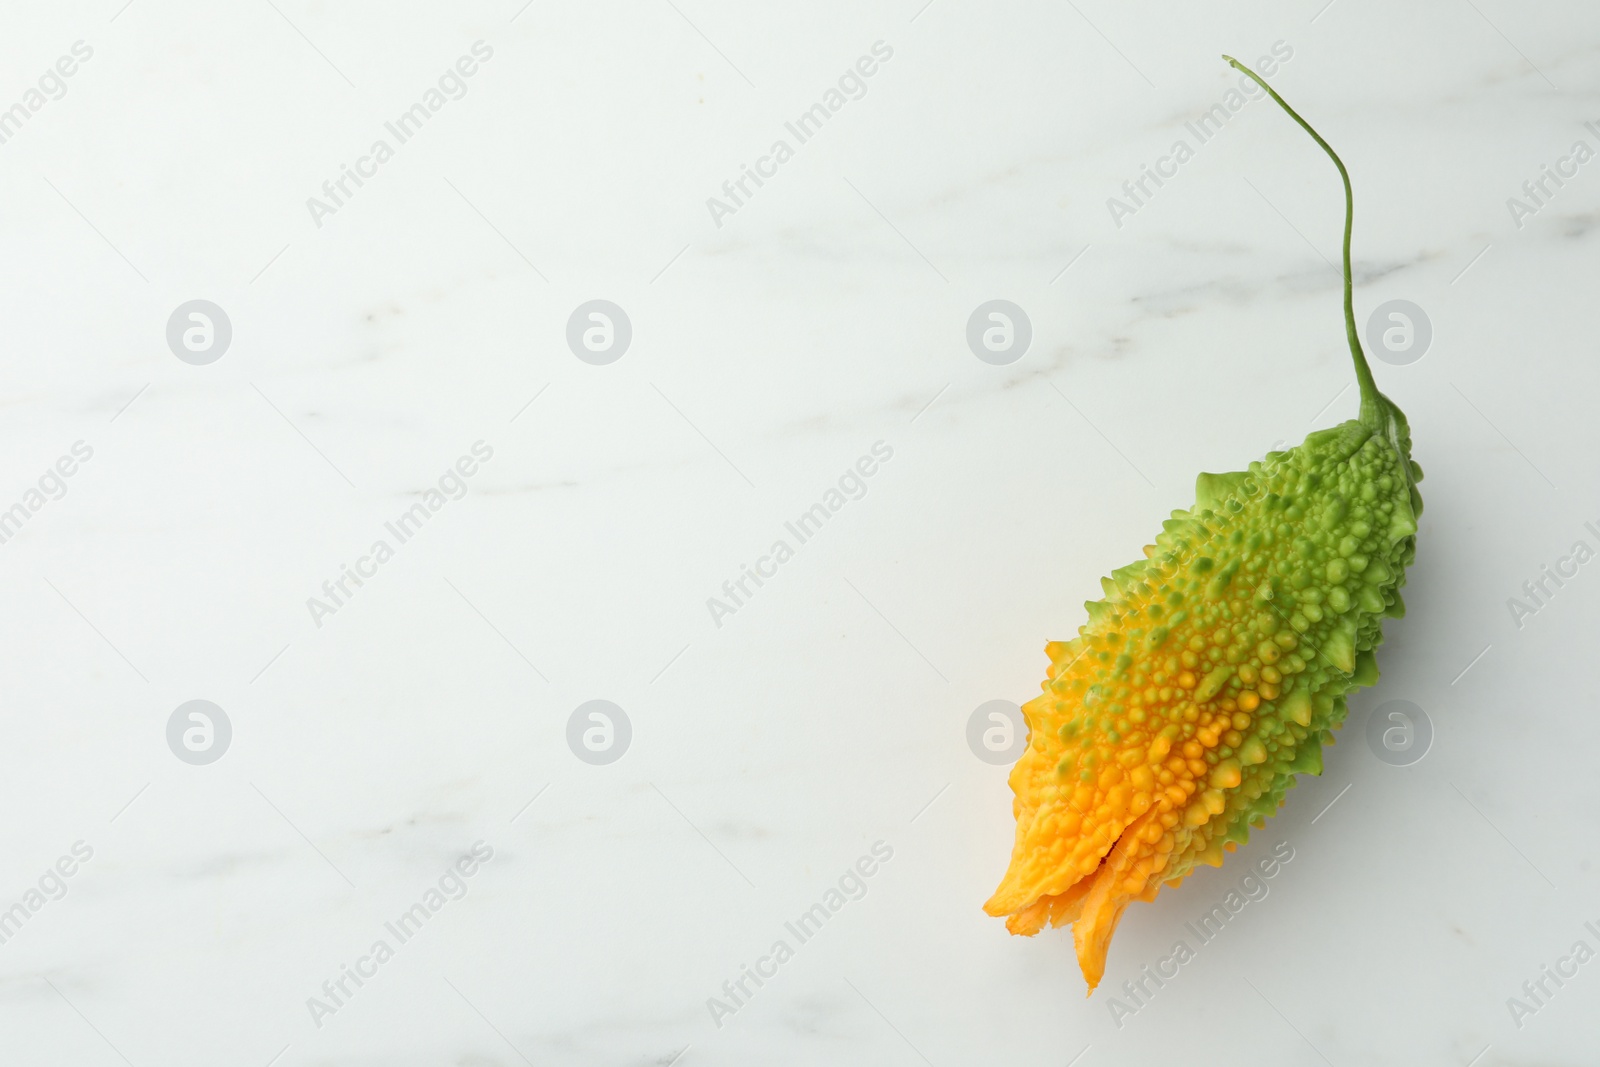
1214,669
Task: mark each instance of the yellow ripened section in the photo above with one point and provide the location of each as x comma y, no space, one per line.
1097,790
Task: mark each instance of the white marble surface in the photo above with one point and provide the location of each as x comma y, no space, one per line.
826,314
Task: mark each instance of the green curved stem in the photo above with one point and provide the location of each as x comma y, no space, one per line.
1371,399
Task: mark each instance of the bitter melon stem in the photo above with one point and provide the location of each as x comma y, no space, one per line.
1372,402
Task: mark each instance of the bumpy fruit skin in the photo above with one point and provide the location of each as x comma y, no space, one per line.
1209,677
